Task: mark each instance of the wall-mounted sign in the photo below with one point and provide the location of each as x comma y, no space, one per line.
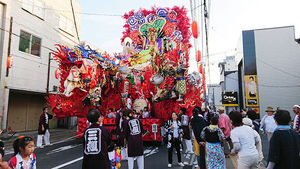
251,91
229,99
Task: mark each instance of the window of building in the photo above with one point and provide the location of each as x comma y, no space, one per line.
30,44
66,24
36,7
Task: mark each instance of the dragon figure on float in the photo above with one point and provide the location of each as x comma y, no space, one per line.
152,71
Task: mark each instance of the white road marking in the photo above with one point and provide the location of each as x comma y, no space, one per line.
11,150
68,163
154,151
63,149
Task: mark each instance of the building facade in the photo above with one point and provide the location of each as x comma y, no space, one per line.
30,29
214,95
229,83
269,69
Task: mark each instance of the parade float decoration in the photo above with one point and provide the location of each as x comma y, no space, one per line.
151,71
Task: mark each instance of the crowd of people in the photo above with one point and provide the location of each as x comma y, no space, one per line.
142,114
216,137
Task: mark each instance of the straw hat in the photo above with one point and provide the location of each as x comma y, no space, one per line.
270,109
221,108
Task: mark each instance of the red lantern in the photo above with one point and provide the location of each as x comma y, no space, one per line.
201,69
195,29
9,62
203,79
198,56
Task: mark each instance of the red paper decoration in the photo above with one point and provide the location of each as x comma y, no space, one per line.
198,56
195,29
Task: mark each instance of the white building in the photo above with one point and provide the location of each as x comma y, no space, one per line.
37,25
272,57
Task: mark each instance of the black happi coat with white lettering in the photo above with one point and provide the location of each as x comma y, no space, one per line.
96,141
134,134
185,126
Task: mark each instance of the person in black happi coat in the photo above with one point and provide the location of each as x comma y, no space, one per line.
43,130
96,141
134,134
185,120
198,123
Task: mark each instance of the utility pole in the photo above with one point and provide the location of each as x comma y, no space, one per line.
9,43
5,95
48,75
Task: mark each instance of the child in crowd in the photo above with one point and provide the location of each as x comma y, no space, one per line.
23,158
214,139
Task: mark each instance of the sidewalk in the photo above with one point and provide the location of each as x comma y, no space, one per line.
56,135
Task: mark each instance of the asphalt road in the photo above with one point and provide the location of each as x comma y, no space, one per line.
68,155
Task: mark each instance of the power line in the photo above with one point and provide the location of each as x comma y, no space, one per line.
22,37
71,1
278,69
51,26
266,85
91,13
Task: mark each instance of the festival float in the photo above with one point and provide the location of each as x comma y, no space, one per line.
151,71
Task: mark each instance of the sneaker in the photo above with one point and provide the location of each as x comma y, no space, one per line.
189,152
181,164
169,165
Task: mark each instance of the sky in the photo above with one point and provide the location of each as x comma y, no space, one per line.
227,20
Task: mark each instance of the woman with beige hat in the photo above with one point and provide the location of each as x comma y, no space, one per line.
268,124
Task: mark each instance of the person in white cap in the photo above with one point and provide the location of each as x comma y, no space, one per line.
248,122
296,121
268,124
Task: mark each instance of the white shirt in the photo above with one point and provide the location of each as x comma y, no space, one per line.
46,118
295,121
175,130
259,147
270,124
245,136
